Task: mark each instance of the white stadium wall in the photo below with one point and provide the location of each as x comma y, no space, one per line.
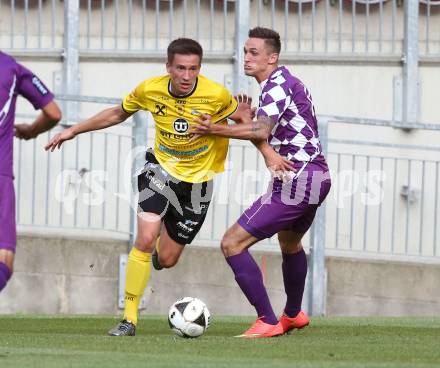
57,275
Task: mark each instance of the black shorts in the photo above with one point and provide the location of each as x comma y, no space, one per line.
181,205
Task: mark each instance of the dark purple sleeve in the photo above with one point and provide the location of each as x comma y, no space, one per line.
32,88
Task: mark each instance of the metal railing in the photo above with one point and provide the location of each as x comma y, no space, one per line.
332,27
429,28
150,25
386,193
78,190
35,25
384,199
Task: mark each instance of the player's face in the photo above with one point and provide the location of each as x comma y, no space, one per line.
258,59
183,71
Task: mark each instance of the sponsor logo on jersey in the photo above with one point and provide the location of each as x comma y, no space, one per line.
180,107
180,110
180,125
181,137
160,110
37,83
175,152
183,236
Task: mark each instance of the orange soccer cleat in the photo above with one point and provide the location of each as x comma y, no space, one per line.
289,323
261,329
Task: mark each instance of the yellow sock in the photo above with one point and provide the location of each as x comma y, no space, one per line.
136,279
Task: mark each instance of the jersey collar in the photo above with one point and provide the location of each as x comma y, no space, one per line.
182,96
263,83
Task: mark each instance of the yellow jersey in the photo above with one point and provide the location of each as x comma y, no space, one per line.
191,161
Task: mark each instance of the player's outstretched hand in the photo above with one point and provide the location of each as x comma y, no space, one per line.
245,112
242,98
58,139
24,131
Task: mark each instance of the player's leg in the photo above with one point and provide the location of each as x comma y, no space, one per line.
182,221
138,272
8,236
267,216
139,263
235,244
153,204
294,269
169,250
6,266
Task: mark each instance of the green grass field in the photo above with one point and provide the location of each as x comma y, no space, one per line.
329,342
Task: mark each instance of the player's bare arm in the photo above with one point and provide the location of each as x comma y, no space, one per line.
104,119
50,115
273,160
257,131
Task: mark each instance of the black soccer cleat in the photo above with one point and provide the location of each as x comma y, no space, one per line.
155,260
123,328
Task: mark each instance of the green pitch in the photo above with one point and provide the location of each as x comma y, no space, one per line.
329,342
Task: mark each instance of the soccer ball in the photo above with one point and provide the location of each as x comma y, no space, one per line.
189,317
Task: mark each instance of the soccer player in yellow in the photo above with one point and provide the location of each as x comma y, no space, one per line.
175,186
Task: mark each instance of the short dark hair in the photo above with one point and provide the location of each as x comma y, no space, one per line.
271,38
184,46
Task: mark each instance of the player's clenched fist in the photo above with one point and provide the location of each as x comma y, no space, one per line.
58,140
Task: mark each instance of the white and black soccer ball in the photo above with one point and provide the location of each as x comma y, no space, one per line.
189,317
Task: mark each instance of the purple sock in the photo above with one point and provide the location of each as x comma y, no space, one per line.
249,278
294,275
5,275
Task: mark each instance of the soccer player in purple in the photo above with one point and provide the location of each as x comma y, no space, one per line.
285,124
17,80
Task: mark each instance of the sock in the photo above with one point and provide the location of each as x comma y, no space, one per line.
249,278
294,275
137,276
5,275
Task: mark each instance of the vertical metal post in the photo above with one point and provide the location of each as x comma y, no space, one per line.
71,58
410,62
241,31
139,143
317,271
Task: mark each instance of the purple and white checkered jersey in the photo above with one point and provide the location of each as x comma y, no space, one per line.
286,100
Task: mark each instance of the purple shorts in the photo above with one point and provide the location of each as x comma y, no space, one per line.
8,235
288,206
